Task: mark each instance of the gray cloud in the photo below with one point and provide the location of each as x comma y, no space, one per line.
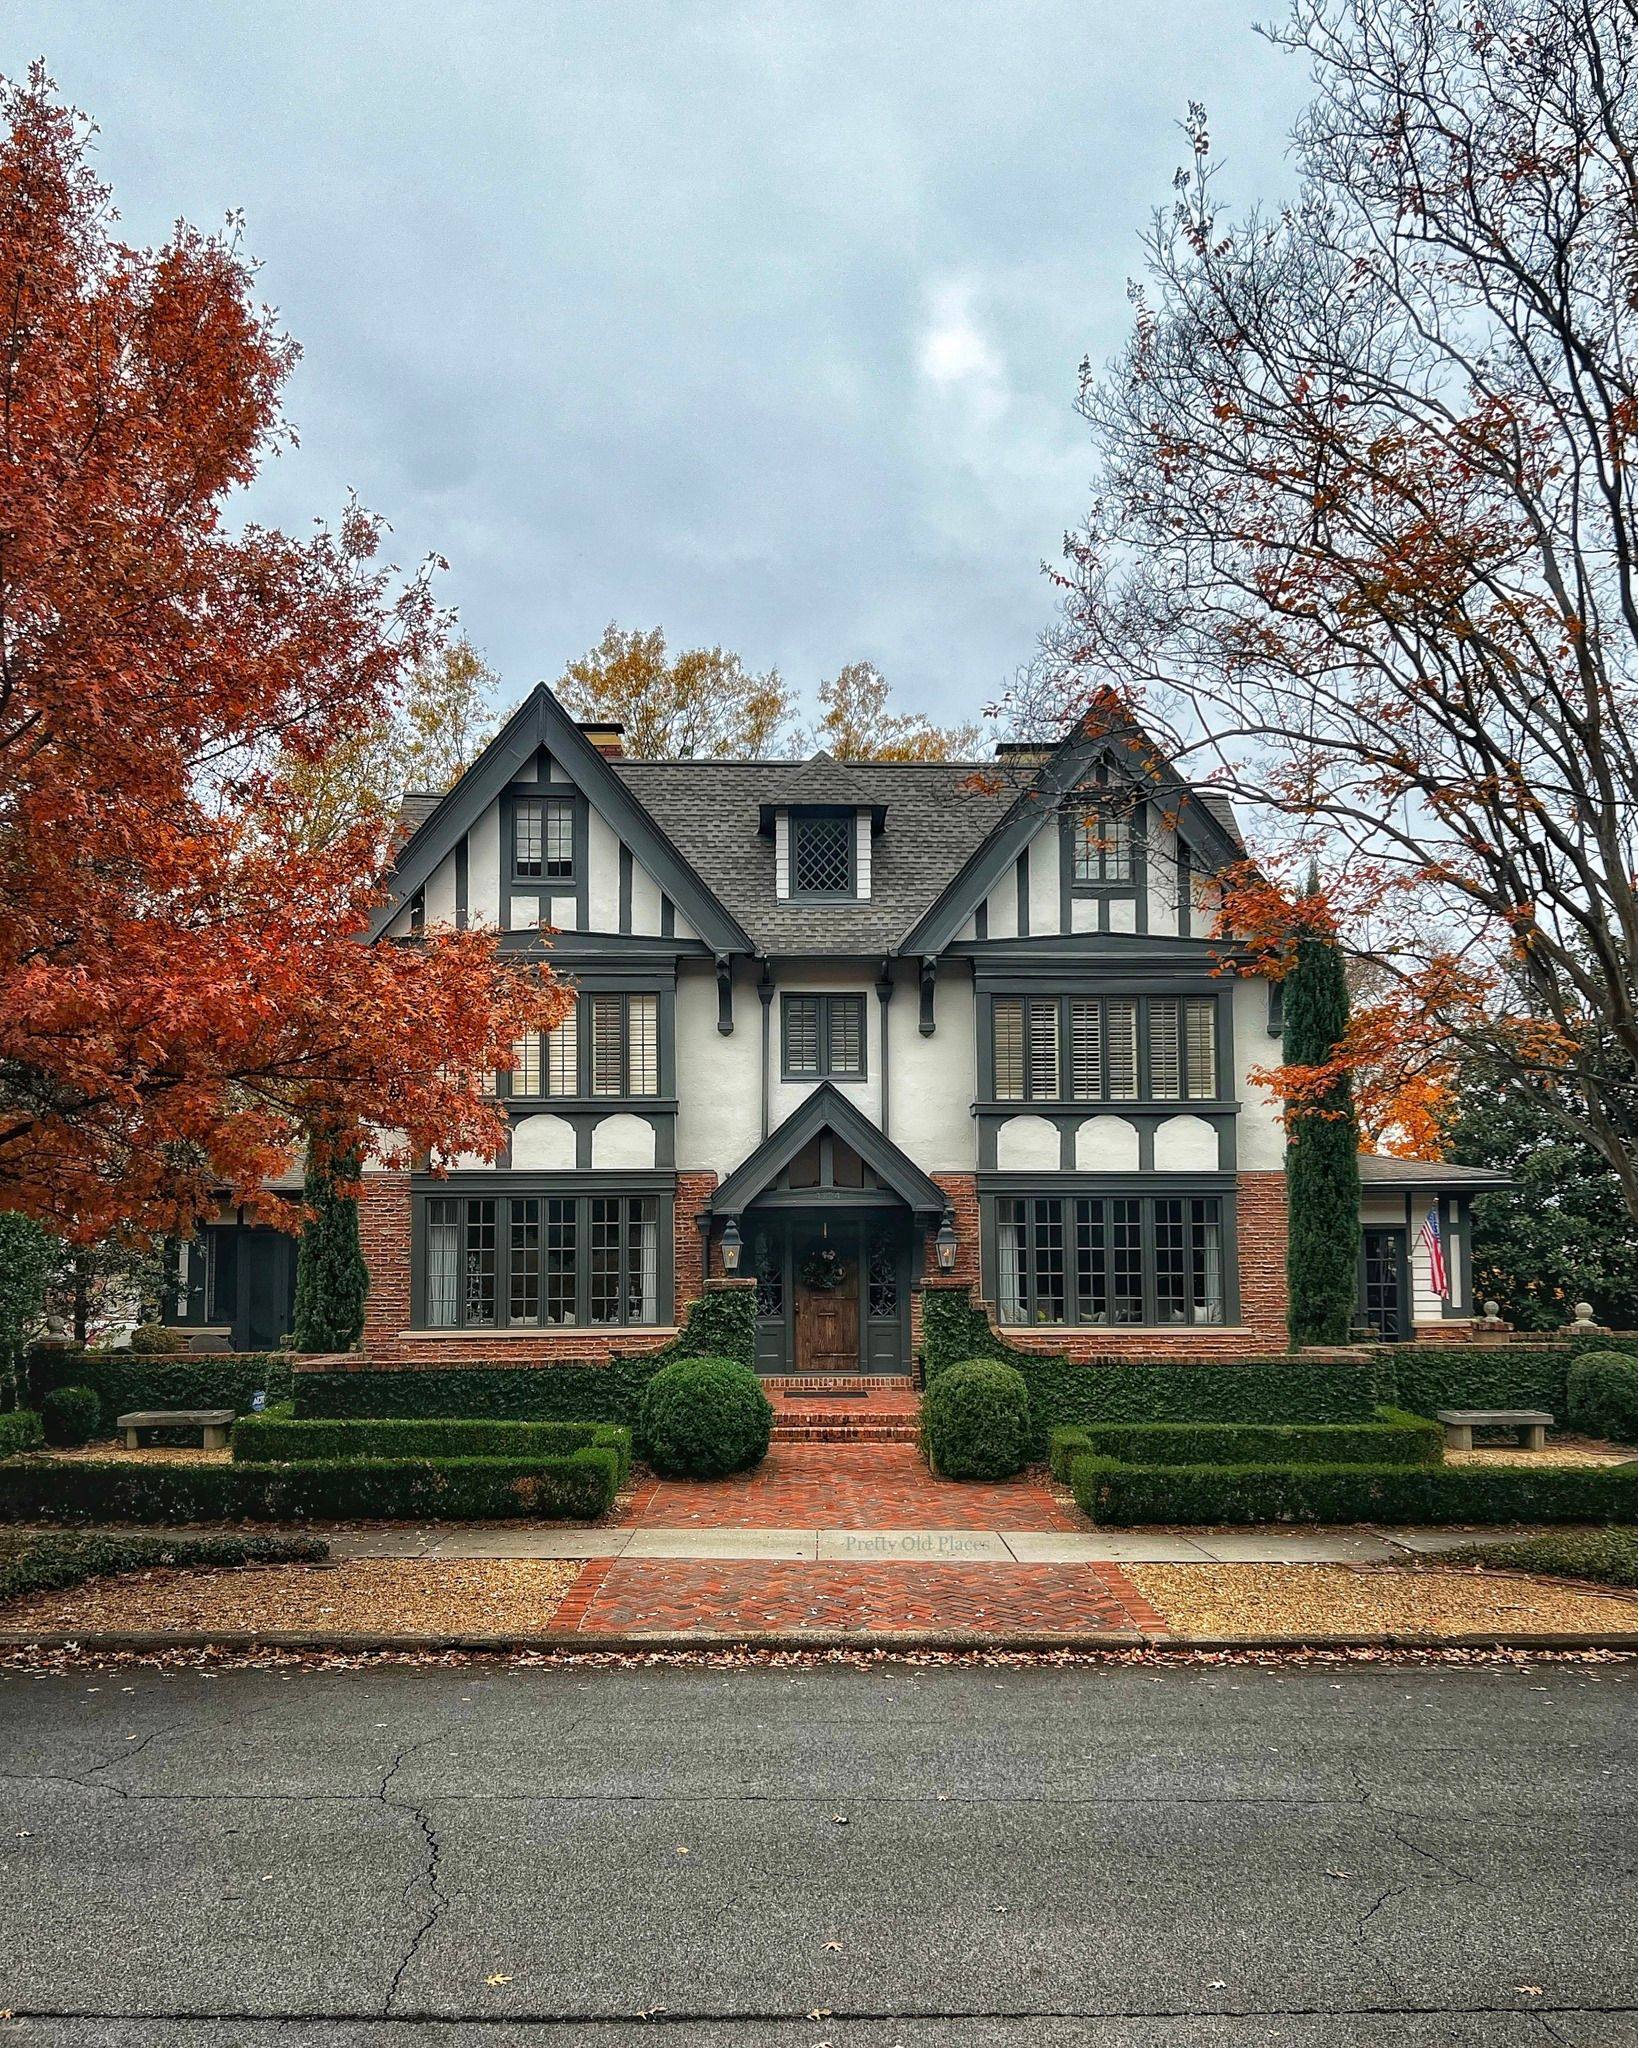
759,322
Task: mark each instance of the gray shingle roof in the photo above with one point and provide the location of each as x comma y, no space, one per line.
709,810
1379,1171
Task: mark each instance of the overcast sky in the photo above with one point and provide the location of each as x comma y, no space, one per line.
760,323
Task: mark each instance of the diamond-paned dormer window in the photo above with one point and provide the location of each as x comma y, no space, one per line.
822,853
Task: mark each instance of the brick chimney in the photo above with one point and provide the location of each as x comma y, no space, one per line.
608,735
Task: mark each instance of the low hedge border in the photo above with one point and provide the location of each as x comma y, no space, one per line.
19,1431
276,1439
49,1563
126,1380
718,1325
576,1487
1125,1496
1394,1438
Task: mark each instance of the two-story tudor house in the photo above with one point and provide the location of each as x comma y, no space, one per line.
848,1023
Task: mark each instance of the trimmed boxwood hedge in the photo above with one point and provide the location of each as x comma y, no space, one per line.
127,1380
703,1418
1601,1395
976,1421
19,1431
579,1486
48,1562
1393,1438
1203,1495
721,1324
69,1416
1416,1377
276,1439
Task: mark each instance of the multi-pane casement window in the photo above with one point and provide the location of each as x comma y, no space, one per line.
1101,845
1110,1259
822,1036
543,839
822,853
526,1262
1104,1048
621,1037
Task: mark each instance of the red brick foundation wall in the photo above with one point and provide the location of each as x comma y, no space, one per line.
1260,1211
384,1236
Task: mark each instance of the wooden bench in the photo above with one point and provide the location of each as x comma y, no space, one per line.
213,1423
1530,1425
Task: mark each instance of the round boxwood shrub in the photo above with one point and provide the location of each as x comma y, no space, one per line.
976,1420
70,1416
701,1418
1600,1396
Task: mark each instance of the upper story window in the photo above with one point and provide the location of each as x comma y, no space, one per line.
543,839
822,853
1102,846
822,1037
621,1040
1104,1048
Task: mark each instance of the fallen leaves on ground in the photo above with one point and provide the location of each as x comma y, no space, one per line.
1332,1599
358,1596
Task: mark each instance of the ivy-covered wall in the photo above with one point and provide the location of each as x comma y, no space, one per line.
720,1324
1419,1378
128,1380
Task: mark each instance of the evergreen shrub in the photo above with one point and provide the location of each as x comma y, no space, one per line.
976,1421
702,1418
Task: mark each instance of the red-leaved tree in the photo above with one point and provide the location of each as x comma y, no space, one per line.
183,988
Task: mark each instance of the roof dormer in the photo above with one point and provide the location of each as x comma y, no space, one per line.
822,841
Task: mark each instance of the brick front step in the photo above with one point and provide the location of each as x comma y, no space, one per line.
830,1431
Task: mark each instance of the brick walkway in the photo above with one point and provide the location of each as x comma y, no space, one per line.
845,1486
617,1596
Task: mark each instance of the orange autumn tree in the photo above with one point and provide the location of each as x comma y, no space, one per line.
184,993
1362,548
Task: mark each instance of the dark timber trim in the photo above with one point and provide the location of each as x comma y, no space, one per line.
826,1108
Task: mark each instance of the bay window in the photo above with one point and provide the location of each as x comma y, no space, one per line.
1110,1260
538,1261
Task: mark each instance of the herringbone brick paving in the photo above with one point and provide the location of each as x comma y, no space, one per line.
620,1596
845,1486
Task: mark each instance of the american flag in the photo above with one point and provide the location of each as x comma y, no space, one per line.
1429,1238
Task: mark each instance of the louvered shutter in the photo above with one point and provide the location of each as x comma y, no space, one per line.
1166,1081
561,1062
1201,1047
1007,1028
1044,1050
802,1042
643,1045
1086,1081
847,1032
1121,1036
608,1065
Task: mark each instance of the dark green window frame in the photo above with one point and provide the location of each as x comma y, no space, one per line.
543,1258
841,826
822,1037
1112,1260
1106,1048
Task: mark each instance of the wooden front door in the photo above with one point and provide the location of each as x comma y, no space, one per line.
827,1318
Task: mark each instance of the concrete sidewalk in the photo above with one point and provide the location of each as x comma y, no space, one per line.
464,1541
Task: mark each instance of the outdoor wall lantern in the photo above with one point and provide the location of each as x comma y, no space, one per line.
944,1244
731,1246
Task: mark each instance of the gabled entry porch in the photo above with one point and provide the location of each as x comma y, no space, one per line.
832,1220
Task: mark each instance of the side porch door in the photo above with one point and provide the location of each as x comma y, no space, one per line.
1383,1280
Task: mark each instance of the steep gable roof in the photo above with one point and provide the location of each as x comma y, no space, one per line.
541,721
827,1108
1205,826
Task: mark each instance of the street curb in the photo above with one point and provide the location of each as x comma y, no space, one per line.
559,1641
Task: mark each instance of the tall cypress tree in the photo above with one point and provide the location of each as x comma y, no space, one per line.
1322,1156
331,1276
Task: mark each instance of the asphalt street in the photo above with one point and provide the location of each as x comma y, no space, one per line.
1128,1857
